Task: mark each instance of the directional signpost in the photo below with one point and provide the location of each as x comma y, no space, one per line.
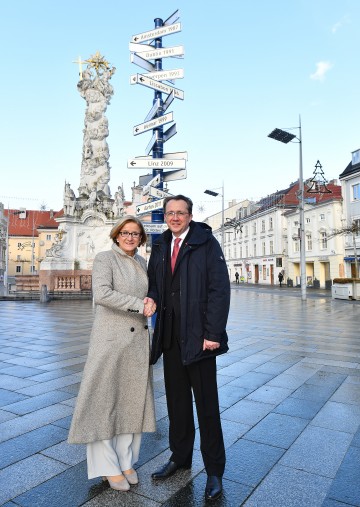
148,53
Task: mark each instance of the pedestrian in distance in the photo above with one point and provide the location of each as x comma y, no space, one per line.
280,277
237,277
189,283
115,404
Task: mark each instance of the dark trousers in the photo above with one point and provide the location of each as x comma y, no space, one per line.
180,382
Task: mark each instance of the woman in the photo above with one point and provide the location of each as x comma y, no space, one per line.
115,402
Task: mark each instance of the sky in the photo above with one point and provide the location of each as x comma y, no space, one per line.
249,67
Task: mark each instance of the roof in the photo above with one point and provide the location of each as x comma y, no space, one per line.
27,222
350,169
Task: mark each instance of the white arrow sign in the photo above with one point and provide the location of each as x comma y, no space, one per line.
152,183
160,194
139,48
161,75
149,206
156,122
173,18
163,53
156,33
175,175
154,228
159,86
153,140
169,133
153,111
140,62
175,154
156,163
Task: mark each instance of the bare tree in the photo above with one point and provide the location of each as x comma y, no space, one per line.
354,230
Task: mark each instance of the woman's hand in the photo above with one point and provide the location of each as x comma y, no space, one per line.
208,345
149,307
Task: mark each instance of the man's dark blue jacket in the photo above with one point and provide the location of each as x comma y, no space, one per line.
204,293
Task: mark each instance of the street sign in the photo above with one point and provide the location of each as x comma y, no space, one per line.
156,122
150,146
139,48
160,194
140,62
168,101
155,54
141,209
153,111
159,86
161,75
180,174
175,154
152,183
154,228
173,18
156,163
156,33
169,133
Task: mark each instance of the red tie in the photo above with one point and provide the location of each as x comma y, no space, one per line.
175,253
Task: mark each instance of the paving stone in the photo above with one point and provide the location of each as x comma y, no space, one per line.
286,487
269,394
233,495
247,412
235,369
28,422
277,429
338,416
318,451
272,367
68,489
13,383
25,445
33,471
249,462
252,380
230,394
66,453
324,377
51,385
50,375
63,423
356,440
36,402
110,498
346,486
314,392
21,371
6,416
7,397
347,393
297,407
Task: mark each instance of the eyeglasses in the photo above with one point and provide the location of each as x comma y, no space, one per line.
172,214
127,234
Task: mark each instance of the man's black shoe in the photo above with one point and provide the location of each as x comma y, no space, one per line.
167,470
213,487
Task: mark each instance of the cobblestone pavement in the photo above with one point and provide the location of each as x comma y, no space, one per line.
289,394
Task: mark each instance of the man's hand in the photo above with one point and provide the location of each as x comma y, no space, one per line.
149,307
208,345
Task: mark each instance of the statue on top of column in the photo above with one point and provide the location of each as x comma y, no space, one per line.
95,88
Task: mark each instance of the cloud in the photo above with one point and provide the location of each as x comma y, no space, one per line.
321,70
339,24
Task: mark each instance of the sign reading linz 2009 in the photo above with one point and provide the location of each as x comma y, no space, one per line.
156,163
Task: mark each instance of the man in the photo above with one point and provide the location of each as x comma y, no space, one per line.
192,294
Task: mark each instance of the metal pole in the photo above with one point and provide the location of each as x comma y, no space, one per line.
302,221
222,218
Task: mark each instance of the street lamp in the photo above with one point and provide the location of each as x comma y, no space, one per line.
285,137
215,194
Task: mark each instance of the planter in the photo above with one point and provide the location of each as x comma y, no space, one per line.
316,284
346,288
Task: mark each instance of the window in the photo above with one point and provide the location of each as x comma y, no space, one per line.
19,245
246,230
323,239
308,241
241,252
356,192
263,248
262,225
296,223
307,220
48,237
270,224
18,257
18,269
296,245
254,228
264,271
322,216
32,269
254,249
247,251
271,247
356,224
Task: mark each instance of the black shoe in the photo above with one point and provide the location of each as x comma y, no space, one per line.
167,470
213,487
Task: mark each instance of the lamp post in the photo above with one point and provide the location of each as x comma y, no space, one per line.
215,194
285,137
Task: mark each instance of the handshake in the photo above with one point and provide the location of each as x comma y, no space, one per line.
149,307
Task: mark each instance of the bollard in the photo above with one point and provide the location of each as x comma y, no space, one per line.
44,294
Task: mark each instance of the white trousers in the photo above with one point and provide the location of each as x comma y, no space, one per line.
111,457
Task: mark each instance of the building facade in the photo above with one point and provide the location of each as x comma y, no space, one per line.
350,182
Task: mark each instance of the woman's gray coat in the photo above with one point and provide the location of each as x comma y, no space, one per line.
116,393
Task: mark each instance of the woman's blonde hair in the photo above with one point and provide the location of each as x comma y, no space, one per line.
122,222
